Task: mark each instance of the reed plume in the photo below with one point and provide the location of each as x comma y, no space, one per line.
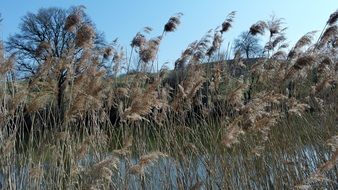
217,78
74,19
188,88
233,131
102,170
181,62
296,107
84,36
216,44
304,61
173,23
7,64
107,52
327,35
301,63
145,160
138,41
258,28
279,55
149,51
305,40
274,25
325,83
226,25
236,96
200,48
325,65
143,102
333,18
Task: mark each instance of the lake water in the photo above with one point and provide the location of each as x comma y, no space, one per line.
211,171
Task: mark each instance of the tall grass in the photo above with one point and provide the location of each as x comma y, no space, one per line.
78,125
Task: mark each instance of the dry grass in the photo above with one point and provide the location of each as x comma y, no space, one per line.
75,125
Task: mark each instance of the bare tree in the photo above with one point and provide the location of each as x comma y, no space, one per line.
248,45
57,43
45,34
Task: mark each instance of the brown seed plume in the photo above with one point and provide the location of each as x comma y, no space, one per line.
305,40
274,25
328,34
173,22
84,35
185,56
148,53
74,19
108,52
226,25
304,61
276,41
333,18
258,28
138,41
216,44
7,65
71,21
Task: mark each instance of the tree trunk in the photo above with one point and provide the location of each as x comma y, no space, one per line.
247,53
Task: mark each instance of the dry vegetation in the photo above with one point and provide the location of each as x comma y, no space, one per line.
77,125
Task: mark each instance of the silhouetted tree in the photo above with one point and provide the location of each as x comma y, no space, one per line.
48,33
248,45
57,43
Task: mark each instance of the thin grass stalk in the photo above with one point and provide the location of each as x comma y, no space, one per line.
320,36
129,60
163,33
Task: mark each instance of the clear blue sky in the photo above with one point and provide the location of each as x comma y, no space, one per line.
123,18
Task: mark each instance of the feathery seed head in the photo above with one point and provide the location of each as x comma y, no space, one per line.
328,34
211,51
122,92
258,28
304,61
138,41
173,22
74,19
107,52
7,65
148,52
274,25
278,40
84,35
279,55
333,18
305,40
216,44
226,25
71,21
147,29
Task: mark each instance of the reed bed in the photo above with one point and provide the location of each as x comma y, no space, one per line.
204,125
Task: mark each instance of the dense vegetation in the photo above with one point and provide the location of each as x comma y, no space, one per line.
75,123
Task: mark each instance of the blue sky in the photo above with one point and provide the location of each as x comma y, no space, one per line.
123,18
